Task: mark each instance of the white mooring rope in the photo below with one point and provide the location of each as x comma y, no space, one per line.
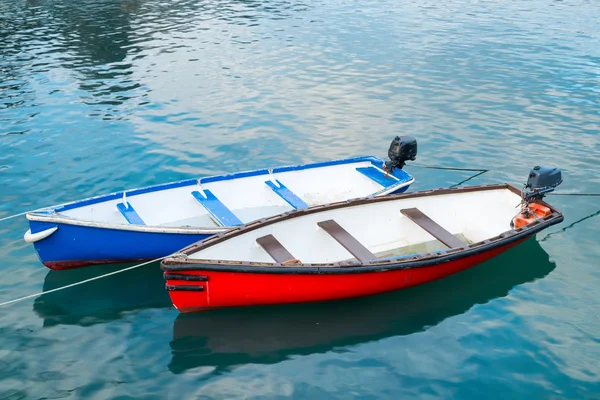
80,283
13,216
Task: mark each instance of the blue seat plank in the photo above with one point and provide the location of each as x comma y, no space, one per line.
130,214
218,210
286,194
378,176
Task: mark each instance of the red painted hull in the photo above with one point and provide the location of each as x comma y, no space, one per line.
234,289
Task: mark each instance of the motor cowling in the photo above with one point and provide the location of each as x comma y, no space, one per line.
541,180
402,149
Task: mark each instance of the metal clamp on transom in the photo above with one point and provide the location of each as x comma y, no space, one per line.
127,210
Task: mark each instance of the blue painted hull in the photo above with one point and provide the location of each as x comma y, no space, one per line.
73,246
77,245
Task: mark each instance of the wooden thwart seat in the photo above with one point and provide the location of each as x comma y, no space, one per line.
275,249
354,247
432,227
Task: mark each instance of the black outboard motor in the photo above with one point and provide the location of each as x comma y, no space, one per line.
541,180
402,149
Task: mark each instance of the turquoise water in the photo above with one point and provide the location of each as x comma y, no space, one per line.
102,95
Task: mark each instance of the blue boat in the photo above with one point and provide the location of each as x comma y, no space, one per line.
153,222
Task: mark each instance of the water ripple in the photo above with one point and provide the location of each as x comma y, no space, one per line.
97,96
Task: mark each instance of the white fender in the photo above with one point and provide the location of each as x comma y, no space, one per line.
34,237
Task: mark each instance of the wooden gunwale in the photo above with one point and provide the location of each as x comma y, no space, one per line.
344,267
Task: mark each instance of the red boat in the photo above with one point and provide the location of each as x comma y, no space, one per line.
360,247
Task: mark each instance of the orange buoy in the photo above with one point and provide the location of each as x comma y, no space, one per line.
536,211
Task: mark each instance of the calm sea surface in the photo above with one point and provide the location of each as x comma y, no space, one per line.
103,95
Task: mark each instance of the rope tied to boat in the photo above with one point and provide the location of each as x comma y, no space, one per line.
449,168
292,261
13,216
573,194
81,282
480,171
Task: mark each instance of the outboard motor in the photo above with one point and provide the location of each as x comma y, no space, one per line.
402,149
541,181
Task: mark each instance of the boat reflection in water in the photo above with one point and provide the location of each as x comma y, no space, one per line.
228,337
103,300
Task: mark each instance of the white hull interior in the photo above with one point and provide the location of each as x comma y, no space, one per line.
248,198
379,226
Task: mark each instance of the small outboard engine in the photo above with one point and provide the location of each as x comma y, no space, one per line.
402,149
541,180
